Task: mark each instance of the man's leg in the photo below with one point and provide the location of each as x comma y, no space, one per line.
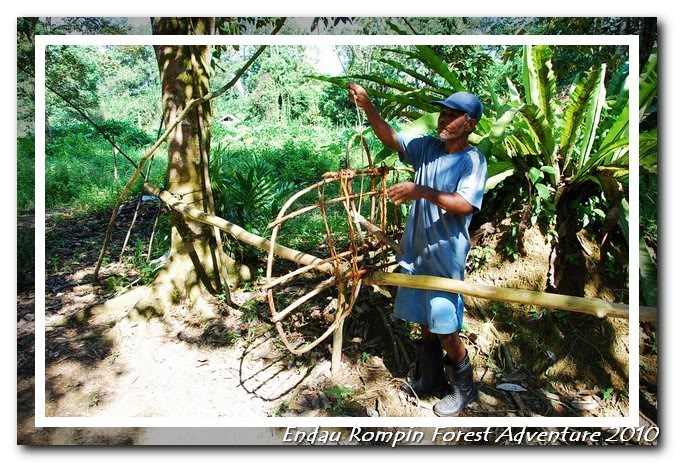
453,347
427,373
464,391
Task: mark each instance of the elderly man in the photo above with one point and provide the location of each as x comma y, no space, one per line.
450,176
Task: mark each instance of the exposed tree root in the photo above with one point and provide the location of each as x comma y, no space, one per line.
115,307
167,293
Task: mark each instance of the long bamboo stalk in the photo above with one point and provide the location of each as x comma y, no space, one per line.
597,307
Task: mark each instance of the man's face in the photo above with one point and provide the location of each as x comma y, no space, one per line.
454,124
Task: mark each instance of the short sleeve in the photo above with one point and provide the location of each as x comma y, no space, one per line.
411,148
472,182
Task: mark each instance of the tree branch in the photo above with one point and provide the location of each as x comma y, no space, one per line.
98,128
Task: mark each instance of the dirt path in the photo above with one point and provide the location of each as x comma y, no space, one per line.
235,367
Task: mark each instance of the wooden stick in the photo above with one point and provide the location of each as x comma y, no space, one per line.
154,229
596,307
324,285
315,206
133,222
375,230
306,268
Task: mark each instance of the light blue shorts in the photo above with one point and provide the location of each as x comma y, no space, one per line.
441,311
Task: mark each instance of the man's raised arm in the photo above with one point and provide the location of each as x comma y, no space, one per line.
383,131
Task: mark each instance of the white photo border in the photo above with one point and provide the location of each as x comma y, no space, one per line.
42,41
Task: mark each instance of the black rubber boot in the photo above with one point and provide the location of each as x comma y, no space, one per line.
426,375
463,392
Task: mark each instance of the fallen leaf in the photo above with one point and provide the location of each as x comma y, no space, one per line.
511,387
585,404
550,395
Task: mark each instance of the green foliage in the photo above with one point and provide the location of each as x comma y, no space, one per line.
250,310
511,244
648,276
338,397
80,171
71,71
249,196
607,394
280,409
116,284
591,211
278,89
139,260
649,206
479,256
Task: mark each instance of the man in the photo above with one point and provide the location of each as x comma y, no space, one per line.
450,176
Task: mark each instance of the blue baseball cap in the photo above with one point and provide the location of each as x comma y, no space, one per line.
465,102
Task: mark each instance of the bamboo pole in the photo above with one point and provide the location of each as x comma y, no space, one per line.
597,307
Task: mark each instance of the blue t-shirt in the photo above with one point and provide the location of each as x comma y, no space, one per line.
436,242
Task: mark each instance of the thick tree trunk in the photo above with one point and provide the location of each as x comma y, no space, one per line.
193,263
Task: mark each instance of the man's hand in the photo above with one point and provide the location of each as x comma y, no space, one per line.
383,131
409,191
404,192
358,95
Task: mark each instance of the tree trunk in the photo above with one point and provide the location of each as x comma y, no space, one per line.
193,263
567,264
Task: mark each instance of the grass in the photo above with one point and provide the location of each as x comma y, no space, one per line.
80,180
79,169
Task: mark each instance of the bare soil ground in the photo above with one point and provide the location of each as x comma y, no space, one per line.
99,364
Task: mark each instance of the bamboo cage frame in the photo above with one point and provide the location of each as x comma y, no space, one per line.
343,271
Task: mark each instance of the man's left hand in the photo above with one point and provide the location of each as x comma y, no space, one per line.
404,192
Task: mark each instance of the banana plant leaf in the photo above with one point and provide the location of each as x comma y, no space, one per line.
498,129
427,55
596,102
541,130
389,83
544,81
648,151
608,152
412,73
648,84
576,112
498,172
